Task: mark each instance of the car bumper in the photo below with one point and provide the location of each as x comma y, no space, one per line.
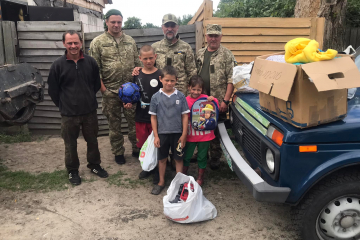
261,190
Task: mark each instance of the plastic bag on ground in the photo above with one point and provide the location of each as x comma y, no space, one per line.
196,208
241,78
148,154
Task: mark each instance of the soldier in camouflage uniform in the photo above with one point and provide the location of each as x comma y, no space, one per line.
116,54
215,65
172,51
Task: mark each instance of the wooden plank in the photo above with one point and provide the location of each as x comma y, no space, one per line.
320,31
42,52
259,39
196,17
199,36
261,31
44,73
9,42
347,37
208,9
29,44
40,36
245,59
255,46
358,39
42,66
53,26
353,36
2,49
270,22
251,53
91,35
39,59
313,28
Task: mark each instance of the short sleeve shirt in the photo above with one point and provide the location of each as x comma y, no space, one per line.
169,110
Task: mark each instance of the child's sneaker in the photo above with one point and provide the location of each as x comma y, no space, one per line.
74,177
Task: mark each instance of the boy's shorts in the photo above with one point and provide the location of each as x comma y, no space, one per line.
168,141
143,130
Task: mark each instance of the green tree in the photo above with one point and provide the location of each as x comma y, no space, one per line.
132,23
353,13
149,25
185,19
255,8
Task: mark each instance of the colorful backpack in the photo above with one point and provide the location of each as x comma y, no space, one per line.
204,115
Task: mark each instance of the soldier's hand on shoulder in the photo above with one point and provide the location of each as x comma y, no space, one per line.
136,71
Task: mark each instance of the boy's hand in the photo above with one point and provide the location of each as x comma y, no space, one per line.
157,142
210,98
127,106
136,71
202,119
182,139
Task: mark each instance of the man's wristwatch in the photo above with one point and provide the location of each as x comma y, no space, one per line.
226,102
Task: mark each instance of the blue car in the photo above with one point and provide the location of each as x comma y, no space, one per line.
316,170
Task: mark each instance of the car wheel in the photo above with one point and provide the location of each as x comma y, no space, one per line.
331,210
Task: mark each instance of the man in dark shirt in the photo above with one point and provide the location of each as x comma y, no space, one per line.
73,82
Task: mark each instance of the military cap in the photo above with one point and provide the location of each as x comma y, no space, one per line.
213,29
169,18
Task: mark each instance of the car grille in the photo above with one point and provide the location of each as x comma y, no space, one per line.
248,140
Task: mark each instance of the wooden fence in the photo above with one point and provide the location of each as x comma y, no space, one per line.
8,43
41,44
248,38
352,37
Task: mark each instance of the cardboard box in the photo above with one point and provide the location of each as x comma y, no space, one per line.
286,91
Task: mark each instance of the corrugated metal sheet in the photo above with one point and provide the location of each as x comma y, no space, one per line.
40,44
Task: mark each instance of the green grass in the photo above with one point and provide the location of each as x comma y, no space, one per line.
24,181
16,138
118,179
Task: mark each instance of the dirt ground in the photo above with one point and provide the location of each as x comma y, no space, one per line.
98,210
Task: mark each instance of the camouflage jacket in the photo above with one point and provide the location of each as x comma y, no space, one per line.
222,63
116,61
180,56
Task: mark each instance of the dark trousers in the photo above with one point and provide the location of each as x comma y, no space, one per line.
70,129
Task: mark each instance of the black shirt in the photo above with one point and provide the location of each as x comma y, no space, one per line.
205,71
73,86
149,85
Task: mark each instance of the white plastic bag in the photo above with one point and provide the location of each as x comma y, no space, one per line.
196,208
148,154
241,78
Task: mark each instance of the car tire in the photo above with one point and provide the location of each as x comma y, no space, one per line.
331,210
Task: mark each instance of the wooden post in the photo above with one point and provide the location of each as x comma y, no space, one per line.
199,36
320,30
2,50
208,9
9,42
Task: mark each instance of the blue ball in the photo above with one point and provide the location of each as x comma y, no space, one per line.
129,93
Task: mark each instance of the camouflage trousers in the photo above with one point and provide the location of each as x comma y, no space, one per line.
70,129
112,108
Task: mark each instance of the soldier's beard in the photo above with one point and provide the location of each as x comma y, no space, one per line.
172,37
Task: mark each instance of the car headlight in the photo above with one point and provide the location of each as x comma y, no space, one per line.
270,160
